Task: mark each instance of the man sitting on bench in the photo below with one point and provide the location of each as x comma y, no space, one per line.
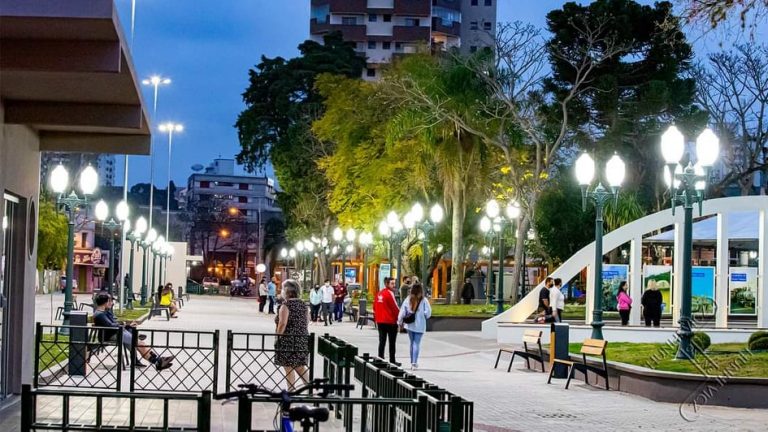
103,317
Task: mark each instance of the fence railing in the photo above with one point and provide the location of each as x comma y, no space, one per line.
102,405
259,358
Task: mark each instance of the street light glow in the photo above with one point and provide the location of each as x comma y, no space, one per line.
384,229
417,212
615,171
436,213
492,209
171,127
151,236
351,235
513,210
59,179
283,252
585,169
392,219
707,147
89,180
672,145
300,246
101,210
122,211
141,225
338,234
485,224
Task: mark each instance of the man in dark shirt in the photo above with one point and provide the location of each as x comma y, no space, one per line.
339,293
103,317
544,295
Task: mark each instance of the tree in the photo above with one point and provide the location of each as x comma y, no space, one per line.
732,86
51,235
715,13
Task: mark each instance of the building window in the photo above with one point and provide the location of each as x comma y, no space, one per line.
349,20
473,25
473,49
412,22
386,45
474,2
446,16
371,44
489,2
83,240
225,184
244,212
371,18
387,18
370,72
205,185
243,186
320,13
398,46
487,26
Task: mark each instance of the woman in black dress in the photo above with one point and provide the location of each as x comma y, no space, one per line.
651,302
292,346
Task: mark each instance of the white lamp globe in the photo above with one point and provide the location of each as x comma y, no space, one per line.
351,235
300,246
126,226
141,225
492,209
324,242
384,229
349,248
292,253
497,225
672,145
89,180
417,212
260,268
707,147
366,239
513,210
151,236
397,227
700,185
408,221
335,250
392,219
59,179
485,224
436,213
283,252
615,171
309,246
122,210
338,234
585,169
101,210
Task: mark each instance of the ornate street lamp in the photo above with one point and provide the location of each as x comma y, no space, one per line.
157,248
614,174
366,240
133,237
687,187
511,213
102,213
144,244
426,226
71,204
345,241
395,235
486,227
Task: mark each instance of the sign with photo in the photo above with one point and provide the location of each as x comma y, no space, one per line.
742,291
613,275
703,290
660,278
384,272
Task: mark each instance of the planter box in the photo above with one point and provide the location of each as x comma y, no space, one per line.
455,323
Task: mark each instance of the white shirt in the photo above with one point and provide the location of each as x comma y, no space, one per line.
556,298
263,289
327,293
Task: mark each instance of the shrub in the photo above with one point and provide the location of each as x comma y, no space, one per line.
701,341
757,335
760,343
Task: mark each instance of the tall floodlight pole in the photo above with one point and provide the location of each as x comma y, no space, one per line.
155,81
170,128
599,196
687,186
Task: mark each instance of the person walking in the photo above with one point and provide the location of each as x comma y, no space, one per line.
624,303
405,289
413,315
467,291
651,302
315,302
327,301
556,300
339,294
385,312
262,294
271,292
292,343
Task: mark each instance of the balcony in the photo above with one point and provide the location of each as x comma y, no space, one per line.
410,33
448,4
349,32
453,30
343,6
413,7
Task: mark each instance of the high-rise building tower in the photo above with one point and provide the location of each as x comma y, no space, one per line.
382,29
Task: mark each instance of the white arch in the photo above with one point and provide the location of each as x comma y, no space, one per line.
633,232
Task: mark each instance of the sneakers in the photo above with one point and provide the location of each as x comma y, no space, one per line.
139,364
164,362
414,366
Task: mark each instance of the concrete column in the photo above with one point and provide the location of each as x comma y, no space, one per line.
590,299
722,272
635,278
762,267
677,274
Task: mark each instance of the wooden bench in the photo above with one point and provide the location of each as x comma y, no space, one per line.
591,347
529,337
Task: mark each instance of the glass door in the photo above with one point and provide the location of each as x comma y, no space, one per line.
7,254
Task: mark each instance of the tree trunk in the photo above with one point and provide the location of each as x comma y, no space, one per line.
457,243
520,236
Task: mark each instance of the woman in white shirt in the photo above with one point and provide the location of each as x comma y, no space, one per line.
413,316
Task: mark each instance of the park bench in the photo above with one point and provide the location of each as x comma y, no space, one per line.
529,337
97,344
60,309
591,347
157,309
183,295
362,314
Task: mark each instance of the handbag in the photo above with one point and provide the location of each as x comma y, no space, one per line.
411,317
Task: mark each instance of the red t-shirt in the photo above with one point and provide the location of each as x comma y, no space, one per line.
339,293
385,309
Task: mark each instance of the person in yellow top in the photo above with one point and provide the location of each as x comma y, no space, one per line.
167,299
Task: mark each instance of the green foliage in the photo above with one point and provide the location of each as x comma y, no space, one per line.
51,235
627,209
759,344
757,335
701,341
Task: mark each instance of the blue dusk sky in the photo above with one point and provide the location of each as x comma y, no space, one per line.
206,47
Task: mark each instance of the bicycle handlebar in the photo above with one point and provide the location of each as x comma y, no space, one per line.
317,384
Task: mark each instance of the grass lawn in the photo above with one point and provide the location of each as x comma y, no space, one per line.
129,315
575,311
718,359
462,310
53,350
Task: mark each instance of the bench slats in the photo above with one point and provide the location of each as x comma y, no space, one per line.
592,351
599,343
532,333
531,339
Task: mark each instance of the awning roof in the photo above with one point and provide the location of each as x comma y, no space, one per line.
66,71
741,226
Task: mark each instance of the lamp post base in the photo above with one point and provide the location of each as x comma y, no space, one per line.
684,334
499,306
597,325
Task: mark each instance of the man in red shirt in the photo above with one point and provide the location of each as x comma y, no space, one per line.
385,312
339,293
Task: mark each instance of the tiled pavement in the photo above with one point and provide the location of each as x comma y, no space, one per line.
462,362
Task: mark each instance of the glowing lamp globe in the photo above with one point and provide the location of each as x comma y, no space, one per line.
485,224
261,268
513,210
585,169
122,211
672,145
101,210
707,147
492,209
417,212
351,235
338,234
436,213
384,229
59,179
615,171
141,225
89,180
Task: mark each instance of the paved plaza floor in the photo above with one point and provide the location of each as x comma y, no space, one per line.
462,362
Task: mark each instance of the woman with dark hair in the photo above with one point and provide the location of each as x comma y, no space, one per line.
413,316
624,303
292,343
167,299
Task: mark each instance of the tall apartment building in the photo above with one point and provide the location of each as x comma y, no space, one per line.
103,163
382,29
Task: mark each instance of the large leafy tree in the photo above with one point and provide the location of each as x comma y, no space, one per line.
51,235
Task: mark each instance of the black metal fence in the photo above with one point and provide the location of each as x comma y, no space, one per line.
98,414
259,358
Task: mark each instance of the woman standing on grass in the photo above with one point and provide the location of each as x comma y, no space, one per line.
625,303
413,316
292,344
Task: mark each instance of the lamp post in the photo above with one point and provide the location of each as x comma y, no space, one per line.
426,226
71,203
614,174
133,237
385,233
155,81
102,213
486,227
345,240
366,240
144,244
687,186
396,235
169,128
157,248
511,213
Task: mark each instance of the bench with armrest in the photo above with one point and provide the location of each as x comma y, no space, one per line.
363,317
158,309
591,347
532,337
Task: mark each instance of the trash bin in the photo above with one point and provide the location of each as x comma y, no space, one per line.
78,342
558,348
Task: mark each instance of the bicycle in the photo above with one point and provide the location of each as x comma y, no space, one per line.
308,417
